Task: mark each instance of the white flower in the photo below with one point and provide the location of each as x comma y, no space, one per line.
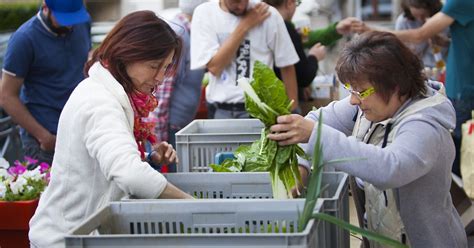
4,163
4,174
18,185
33,174
3,189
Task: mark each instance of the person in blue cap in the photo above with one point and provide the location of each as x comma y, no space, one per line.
43,64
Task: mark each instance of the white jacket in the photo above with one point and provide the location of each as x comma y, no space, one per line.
96,160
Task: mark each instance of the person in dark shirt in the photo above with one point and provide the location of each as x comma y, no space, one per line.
315,40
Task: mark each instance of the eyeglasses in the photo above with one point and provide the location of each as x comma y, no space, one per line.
361,95
298,2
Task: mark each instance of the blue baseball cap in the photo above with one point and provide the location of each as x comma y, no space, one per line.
68,12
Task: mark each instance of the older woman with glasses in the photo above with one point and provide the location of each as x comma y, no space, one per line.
401,127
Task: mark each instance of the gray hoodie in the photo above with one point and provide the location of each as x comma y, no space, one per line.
417,165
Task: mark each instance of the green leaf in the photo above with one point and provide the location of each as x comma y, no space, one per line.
366,233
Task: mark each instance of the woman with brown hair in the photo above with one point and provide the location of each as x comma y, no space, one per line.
102,129
400,126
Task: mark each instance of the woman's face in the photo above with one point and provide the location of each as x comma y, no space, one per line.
374,107
420,14
147,75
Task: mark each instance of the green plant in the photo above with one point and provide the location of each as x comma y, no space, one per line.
314,190
20,182
15,14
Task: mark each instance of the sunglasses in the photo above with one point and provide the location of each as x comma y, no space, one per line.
361,95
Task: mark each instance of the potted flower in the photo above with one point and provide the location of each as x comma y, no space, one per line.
20,188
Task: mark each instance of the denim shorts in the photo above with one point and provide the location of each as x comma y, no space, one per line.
31,148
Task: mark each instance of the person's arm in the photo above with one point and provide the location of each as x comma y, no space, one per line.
171,192
432,26
226,52
329,35
109,140
9,99
288,76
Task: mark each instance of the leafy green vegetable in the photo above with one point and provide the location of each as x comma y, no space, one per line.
266,99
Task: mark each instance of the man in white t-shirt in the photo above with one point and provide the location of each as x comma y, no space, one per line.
227,38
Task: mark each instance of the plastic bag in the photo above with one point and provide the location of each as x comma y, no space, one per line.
467,156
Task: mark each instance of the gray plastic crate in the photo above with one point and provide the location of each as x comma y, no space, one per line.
199,142
199,223
258,185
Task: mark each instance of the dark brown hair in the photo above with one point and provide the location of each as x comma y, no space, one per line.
381,59
433,7
275,3
137,37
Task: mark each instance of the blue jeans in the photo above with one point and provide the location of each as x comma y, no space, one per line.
31,148
463,109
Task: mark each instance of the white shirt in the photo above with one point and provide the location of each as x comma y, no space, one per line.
269,43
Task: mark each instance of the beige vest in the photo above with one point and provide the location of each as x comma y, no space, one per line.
382,206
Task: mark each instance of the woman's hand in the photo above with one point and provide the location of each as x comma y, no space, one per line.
163,153
291,129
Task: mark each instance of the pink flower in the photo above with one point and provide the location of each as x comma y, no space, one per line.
30,160
17,170
17,163
48,176
44,167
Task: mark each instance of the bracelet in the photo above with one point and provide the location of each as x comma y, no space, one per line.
150,160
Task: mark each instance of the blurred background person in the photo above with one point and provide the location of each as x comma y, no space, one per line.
178,97
227,38
415,13
43,64
307,68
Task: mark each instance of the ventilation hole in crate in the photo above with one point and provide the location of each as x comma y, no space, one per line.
248,227
221,194
196,230
160,227
181,227
139,228
203,230
190,230
153,227
145,228
175,227
167,228
211,230
132,229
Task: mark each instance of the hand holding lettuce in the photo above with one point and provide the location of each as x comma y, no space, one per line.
266,99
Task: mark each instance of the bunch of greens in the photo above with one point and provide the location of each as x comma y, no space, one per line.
266,99
314,190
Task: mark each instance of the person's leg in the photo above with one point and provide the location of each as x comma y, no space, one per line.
223,114
211,110
463,113
240,114
172,140
32,149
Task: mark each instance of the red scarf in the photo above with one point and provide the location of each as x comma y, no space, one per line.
144,125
